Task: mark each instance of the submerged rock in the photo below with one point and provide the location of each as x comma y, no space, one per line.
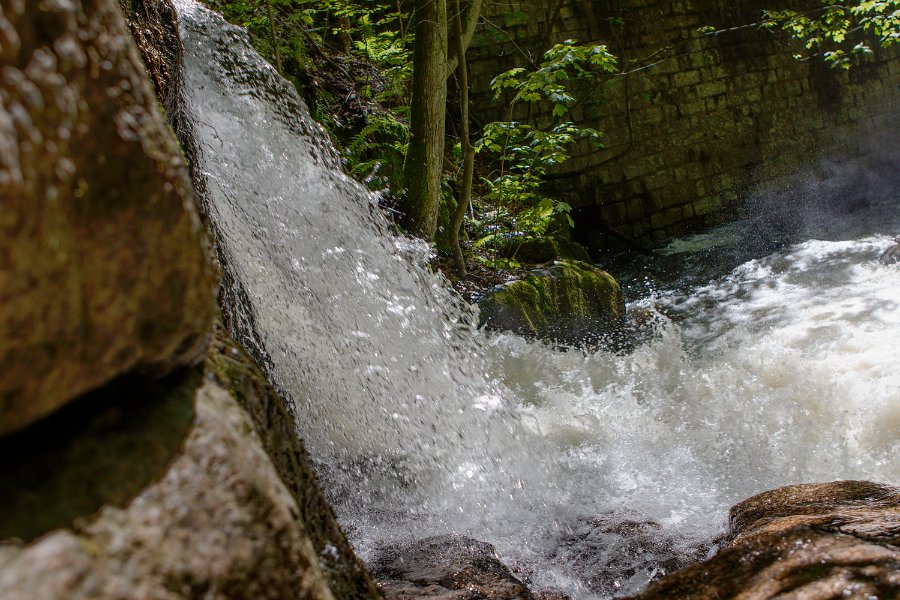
814,541
570,302
103,268
617,552
891,255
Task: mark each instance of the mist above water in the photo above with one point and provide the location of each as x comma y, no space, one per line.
779,371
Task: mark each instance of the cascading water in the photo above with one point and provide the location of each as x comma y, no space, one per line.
782,371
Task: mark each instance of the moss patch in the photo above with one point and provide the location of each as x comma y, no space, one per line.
569,302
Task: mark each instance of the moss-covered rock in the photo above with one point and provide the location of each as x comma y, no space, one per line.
570,302
536,251
103,268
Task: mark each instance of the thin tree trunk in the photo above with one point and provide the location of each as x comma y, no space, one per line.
468,18
275,43
424,156
468,152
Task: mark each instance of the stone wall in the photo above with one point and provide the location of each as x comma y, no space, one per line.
697,119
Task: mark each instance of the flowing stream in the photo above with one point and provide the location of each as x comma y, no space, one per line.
591,472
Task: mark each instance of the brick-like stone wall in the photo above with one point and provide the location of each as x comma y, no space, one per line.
697,119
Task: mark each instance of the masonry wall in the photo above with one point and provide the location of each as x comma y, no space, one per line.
698,119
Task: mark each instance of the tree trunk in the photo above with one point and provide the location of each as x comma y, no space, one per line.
468,21
468,152
424,156
275,45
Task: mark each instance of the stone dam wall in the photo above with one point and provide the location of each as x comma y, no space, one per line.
696,120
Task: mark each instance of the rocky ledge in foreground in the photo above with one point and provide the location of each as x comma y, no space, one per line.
809,542
236,514
803,542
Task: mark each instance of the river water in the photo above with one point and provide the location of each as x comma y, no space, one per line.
591,472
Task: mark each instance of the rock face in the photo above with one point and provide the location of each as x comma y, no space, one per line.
219,524
275,427
814,541
570,302
103,268
224,520
154,27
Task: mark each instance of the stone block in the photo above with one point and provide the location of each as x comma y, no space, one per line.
686,78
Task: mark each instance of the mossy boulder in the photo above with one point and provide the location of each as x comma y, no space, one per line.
103,258
536,251
570,302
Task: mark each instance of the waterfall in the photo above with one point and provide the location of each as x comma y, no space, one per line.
780,371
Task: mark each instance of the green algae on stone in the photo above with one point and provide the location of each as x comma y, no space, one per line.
570,302
534,251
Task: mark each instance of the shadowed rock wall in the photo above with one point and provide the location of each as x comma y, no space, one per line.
698,118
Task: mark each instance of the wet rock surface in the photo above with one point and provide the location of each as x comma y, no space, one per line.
569,302
103,268
860,508
154,26
891,256
814,541
447,568
615,553
275,427
219,524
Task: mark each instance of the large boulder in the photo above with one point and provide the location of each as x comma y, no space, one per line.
814,541
219,524
569,302
535,251
103,268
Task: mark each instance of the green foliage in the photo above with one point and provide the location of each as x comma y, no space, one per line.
375,154
525,152
843,31
354,66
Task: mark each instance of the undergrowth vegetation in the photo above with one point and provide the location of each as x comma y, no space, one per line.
352,62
